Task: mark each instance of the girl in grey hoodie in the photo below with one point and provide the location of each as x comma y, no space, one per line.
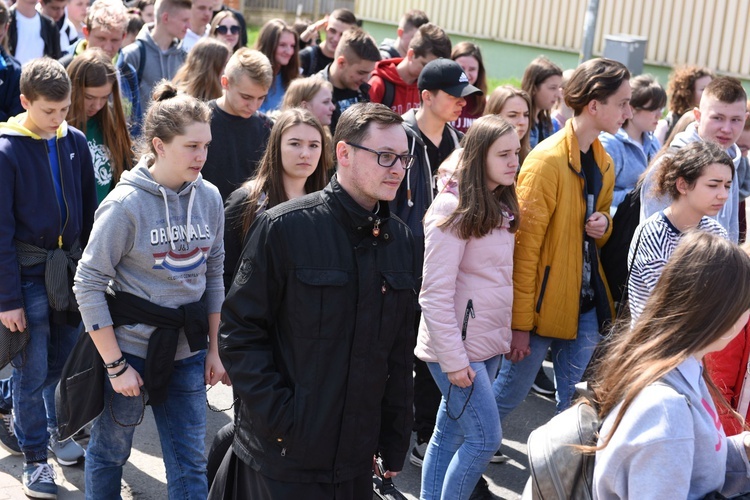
157,237
661,436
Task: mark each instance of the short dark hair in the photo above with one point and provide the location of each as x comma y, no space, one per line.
354,123
345,16
726,89
594,80
431,39
45,78
646,94
355,42
413,19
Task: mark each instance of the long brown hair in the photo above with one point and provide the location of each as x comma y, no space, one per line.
535,74
480,210
496,103
268,41
94,68
469,49
200,75
269,181
702,292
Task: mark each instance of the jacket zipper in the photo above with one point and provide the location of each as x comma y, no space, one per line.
469,311
60,223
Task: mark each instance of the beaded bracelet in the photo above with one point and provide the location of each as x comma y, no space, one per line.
115,364
115,375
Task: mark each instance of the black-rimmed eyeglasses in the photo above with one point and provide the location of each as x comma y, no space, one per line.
223,30
386,158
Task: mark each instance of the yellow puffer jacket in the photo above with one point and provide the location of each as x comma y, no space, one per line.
548,259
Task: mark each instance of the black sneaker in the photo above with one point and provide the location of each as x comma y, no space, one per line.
498,458
482,491
8,440
416,457
543,385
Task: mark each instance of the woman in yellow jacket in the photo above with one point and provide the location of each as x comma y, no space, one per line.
560,295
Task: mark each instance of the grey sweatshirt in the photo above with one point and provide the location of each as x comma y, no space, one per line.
161,245
670,444
158,64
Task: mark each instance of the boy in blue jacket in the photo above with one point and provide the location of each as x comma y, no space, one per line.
47,203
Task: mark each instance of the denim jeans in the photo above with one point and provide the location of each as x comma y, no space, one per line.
460,449
180,421
37,369
569,357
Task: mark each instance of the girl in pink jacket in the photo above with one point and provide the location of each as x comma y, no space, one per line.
466,299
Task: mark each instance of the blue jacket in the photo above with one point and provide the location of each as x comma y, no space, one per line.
10,75
28,206
629,158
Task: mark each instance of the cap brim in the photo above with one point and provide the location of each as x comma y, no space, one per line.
462,90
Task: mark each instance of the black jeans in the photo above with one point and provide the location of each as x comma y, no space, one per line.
426,397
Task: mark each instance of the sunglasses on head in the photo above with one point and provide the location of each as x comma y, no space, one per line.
223,30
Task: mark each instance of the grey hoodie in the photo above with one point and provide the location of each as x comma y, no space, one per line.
670,444
729,215
158,64
161,245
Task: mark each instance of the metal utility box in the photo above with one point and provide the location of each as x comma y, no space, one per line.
627,49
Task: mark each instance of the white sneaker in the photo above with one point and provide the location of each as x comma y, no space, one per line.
67,452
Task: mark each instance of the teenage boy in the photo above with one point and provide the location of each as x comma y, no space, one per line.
443,87
313,58
201,14
407,28
55,10
239,131
38,33
105,27
720,118
157,53
394,81
42,233
356,55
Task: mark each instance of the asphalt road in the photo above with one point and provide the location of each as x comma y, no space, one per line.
144,476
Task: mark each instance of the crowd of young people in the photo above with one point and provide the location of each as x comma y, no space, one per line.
506,198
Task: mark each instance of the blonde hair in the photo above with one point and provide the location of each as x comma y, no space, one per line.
251,63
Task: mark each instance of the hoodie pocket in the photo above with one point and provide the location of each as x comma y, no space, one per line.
321,302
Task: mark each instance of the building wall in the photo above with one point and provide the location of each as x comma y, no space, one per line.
712,33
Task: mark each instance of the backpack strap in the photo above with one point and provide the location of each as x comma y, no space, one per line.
141,59
389,92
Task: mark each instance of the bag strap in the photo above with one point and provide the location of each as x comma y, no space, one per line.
142,59
389,91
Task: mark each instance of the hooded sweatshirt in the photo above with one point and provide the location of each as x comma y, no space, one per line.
29,209
164,246
405,96
728,217
158,64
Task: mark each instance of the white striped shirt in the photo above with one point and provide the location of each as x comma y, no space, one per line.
658,240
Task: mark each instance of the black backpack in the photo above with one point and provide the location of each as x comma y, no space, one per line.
614,254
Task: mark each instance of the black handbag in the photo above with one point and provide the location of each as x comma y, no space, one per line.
11,343
79,397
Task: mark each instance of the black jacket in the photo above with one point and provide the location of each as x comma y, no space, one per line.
317,337
50,34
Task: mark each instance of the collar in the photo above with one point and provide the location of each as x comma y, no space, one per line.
692,370
359,221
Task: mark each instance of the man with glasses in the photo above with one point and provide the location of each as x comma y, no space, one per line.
443,87
314,58
317,329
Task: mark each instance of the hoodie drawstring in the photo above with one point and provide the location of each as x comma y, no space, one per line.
190,210
189,214
166,210
408,179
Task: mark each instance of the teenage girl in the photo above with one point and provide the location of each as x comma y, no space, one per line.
685,87
661,436
226,28
313,94
697,179
542,80
96,110
466,299
200,75
469,57
514,105
157,243
279,42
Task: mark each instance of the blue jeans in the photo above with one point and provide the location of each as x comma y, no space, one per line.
569,357
37,371
180,421
460,449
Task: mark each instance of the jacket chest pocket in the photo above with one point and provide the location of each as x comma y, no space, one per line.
321,304
399,304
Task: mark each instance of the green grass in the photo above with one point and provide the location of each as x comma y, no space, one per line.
252,34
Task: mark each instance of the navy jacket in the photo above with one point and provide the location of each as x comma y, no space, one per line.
28,206
10,76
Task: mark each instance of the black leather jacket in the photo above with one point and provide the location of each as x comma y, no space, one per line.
317,336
